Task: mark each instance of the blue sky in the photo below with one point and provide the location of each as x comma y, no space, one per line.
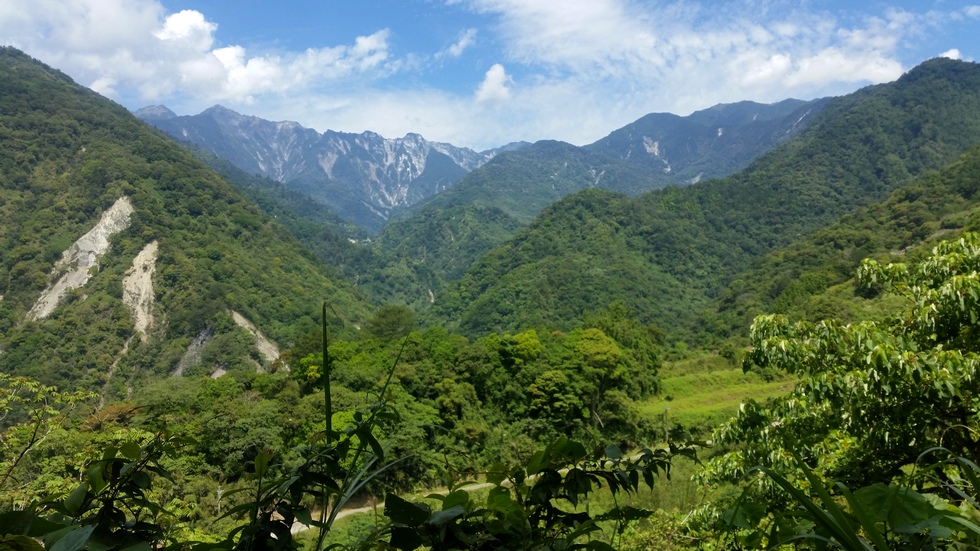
481,73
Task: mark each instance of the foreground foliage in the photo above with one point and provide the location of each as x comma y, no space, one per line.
116,505
872,397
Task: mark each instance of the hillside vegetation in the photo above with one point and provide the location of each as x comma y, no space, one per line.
222,380
67,156
674,250
440,239
812,279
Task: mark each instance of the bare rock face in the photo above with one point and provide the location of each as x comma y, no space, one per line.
363,177
193,355
267,348
138,289
77,262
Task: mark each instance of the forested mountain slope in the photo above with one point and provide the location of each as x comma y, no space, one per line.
138,247
711,143
813,278
857,150
438,240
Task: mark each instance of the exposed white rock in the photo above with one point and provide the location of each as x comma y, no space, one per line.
596,175
267,349
138,289
81,257
193,355
652,146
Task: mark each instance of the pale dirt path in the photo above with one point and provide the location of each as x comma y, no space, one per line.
300,527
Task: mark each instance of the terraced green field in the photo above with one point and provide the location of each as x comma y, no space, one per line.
702,392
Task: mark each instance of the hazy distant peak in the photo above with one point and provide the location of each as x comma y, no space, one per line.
155,112
219,109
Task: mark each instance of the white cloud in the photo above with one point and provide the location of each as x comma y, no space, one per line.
626,59
575,70
466,39
133,45
495,86
190,28
951,54
106,87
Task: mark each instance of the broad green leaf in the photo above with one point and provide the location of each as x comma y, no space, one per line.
303,516
76,499
141,480
404,512
74,540
441,517
454,499
539,461
405,539
130,450
613,452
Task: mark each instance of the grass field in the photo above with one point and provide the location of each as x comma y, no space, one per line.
702,392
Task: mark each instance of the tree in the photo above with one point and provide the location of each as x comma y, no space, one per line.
871,396
29,413
390,322
601,369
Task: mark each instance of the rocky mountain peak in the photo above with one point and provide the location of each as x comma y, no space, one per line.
363,177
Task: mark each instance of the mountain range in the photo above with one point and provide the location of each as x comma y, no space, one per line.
671,252
126,258
367,178
363,177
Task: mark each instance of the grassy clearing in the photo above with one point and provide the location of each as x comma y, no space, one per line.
702,392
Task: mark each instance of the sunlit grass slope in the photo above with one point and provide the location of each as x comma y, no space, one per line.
702,392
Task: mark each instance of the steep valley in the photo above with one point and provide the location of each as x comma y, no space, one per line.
221,346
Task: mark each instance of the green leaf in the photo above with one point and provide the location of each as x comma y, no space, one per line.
130,450
303,516
441,517
262,462
538,461
141,480
900,506
76,499
613,452
74,540
138,546
15,521
405,538
864,517
455,499
404,512
833,521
